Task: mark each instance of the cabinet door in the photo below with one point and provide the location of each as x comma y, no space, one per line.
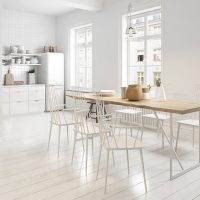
37,106
18,107
5,95
4,109
18,94
36,93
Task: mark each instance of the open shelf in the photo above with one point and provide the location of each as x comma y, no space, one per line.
23,65
20,55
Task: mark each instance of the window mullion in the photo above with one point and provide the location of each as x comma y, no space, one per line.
76,61
86,62
145,51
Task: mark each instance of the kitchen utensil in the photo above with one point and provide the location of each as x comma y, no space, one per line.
9,78
18,61
14,49
18,82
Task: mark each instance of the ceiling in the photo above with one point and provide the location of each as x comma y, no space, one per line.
52,7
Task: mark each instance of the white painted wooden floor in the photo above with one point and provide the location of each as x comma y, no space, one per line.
29,172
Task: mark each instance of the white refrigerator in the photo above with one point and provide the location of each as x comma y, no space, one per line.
52,73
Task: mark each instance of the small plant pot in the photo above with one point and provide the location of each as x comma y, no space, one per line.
31,78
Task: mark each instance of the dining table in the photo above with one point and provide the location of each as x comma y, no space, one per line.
168,106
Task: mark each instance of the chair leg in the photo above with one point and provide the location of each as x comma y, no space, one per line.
158,128
127,156
100,149
86,156
106,177
51,125
193,136
82,142
177,137
67,134
143,170
113,157
142,123
163,138
59,131
92,145
75,136
163,141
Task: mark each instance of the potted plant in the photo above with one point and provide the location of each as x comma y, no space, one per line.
159,91
31,76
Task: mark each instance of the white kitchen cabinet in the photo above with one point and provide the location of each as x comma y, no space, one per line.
36,106
5,108
22,99
36,93
18,107
18,94
4,102
4,95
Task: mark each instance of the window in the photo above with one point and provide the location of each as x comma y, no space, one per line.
156,76
140,77
141,55
81,57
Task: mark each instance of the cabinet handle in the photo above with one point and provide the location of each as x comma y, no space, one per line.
19,101
36,100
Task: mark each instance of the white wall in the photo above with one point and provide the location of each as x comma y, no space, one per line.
106,39
32,31
0,52
181,46
0,42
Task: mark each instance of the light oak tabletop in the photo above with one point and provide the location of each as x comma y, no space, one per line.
170,106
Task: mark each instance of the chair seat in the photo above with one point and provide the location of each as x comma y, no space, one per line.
189,122
89,130
64,122
128,111
122,143
121,125
160,116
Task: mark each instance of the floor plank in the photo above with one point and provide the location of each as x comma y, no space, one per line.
29,172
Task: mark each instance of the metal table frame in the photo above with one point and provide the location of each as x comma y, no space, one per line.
172,149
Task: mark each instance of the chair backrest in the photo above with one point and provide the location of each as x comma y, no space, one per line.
107,132
80,101
83,125
54,105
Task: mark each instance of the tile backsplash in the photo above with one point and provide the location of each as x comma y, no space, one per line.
20,73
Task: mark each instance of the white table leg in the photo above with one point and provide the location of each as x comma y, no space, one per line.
173,152
142,121
199,136
169,139
171,146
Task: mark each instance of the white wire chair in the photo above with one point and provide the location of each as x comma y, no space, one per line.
111,141
58,115
150,117
191,120
85,127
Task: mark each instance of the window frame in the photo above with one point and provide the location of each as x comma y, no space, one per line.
74,57
147,37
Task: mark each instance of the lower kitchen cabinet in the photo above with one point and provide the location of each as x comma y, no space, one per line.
22,99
